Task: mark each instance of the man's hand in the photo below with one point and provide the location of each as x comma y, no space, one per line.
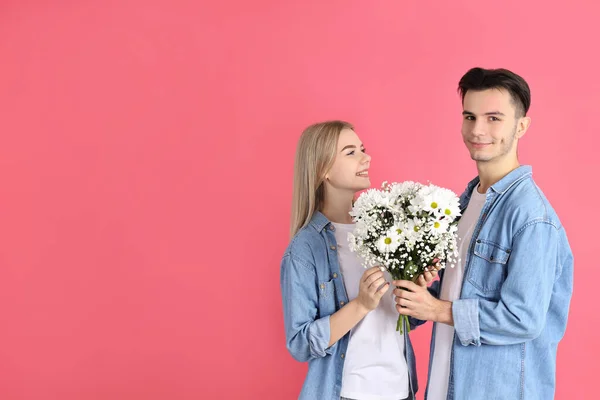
429,274
415,301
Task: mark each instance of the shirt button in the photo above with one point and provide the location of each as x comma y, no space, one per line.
335,275
342,303
342,355
332,228
322,286
332,247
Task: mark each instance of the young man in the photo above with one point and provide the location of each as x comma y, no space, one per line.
501,312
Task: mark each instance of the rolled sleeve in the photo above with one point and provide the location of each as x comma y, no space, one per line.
466,321
318,337
307,335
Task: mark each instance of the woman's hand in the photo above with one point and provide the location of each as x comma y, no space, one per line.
372,288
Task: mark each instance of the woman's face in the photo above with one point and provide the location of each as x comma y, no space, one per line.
350,170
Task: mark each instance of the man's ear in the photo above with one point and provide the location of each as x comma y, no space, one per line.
522,126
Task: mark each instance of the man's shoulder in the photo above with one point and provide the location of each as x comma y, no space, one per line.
527,201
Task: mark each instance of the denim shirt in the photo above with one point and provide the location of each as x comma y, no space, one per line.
515,296
312,289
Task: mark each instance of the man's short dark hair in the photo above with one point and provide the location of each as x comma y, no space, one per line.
483,79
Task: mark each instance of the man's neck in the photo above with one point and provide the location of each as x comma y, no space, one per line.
492,172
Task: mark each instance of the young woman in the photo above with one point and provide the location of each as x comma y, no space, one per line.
338,316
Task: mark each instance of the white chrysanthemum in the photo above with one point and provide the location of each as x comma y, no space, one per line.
361,229
389,242
451,210
438,226
445,200
400,229
413,233
415,207
413,226
403,189
432,203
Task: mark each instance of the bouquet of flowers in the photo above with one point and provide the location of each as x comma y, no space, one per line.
405,227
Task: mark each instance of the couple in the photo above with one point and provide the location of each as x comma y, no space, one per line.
498,315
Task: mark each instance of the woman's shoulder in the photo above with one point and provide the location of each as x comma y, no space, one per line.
306,246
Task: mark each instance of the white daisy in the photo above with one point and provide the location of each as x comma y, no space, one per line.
389,242
438,226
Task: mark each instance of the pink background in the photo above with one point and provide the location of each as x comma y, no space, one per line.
146,166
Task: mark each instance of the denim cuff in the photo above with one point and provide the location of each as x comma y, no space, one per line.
318,337
466,321
414,323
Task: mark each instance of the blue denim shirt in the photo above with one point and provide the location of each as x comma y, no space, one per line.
515,296
312,289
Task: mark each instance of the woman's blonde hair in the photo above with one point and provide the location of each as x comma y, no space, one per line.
315,155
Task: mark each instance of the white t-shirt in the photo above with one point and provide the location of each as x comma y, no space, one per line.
375,367
450,290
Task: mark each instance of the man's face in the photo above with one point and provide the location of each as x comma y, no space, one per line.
490,126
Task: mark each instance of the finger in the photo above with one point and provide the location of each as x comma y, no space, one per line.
403,294
428,277
372,271
434,269
403,302
376,284
421,281
404,311
383,290
373,277
407,285
401,283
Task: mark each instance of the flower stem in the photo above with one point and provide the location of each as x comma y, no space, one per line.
402,321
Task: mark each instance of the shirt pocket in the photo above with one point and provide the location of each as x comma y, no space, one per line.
326,298
487,271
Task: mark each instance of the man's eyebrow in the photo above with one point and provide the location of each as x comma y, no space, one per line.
466,112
